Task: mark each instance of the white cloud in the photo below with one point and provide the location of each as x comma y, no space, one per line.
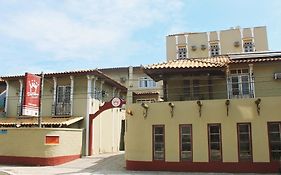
87,29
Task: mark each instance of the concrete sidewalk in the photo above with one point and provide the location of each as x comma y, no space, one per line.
98,164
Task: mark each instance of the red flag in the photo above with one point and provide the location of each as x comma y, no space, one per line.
31,102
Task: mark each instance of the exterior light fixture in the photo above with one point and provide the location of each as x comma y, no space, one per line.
258,103
172,106
200,104
227,103
129,112
145,107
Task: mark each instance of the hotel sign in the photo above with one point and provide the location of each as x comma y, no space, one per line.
31,101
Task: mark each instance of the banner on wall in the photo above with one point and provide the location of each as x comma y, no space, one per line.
31,101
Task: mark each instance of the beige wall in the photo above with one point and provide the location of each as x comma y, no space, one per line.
107,130
213,111
30,142
226,39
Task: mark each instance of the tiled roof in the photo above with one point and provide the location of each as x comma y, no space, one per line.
78,72
33,121
219,61
146,93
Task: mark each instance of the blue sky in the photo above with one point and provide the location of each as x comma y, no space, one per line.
60,35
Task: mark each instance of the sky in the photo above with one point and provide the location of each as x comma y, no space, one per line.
63,35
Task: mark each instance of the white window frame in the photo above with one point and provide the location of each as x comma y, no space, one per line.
214,49
146,82
240,74
182,52
248,46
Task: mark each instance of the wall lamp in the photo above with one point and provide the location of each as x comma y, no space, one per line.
172,106
145,109
129,112
200,104
258,103
227,103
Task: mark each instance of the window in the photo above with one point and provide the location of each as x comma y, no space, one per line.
244,141
274,135
158,142
186,142
214,49
191,90
63,95
146,82
240,83
215,152
63,106
181,52
248,46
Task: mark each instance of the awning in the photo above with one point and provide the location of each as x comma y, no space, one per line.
55,121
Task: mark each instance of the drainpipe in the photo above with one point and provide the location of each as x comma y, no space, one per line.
71,94
131,82
100,123
54,96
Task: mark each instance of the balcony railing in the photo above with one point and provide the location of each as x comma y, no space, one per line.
61,109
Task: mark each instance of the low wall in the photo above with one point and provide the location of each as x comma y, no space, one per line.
139,134
39,146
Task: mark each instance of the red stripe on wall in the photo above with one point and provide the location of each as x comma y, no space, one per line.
42,161
227,167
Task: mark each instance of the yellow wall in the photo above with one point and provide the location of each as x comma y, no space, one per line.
227,39
213,111
30,142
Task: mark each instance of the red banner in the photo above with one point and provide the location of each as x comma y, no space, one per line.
31,102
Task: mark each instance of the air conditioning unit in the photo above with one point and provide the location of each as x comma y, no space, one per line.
277,75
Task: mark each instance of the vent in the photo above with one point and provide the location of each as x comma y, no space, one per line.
277,76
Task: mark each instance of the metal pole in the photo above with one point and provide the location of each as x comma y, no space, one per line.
40,103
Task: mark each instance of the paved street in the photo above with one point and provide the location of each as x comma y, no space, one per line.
99,164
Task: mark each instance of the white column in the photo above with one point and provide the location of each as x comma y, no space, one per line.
20,97
113,92
54,95
101,86
186,45
209,46
89,90
253,39
219,41
252,81
242,43
177,48
7,96
71,94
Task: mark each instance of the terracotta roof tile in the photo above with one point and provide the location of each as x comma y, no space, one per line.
33,121
219,61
